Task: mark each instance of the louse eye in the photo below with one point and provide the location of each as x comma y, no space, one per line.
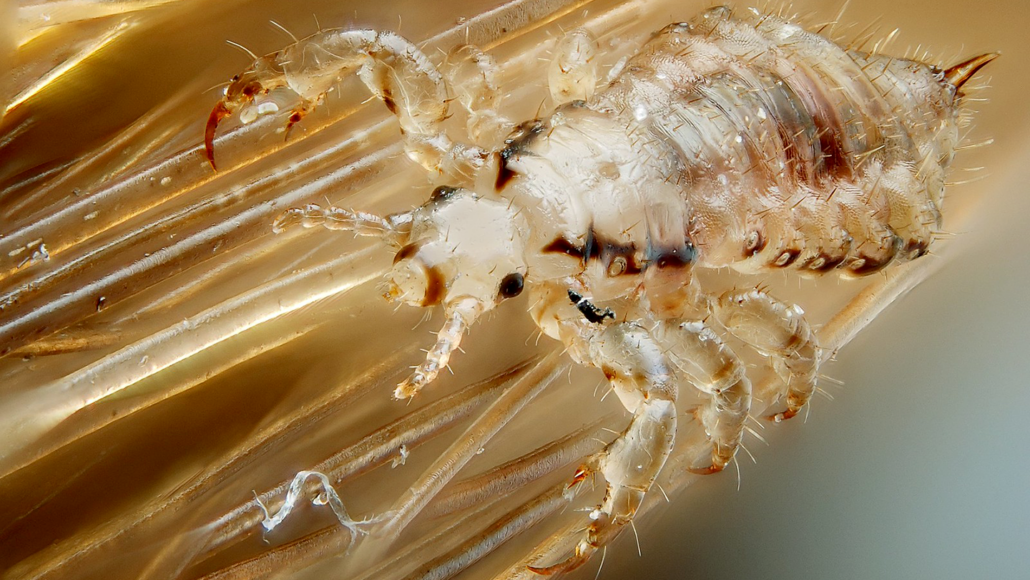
511,285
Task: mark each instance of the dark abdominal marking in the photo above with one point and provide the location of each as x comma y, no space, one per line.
662,257
620,258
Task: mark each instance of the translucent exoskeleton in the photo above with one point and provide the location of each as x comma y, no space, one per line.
736,140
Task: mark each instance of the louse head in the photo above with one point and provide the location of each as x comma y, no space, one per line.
461,246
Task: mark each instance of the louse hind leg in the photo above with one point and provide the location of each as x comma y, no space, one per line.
702,357
781,332
394,70
642,376
572,75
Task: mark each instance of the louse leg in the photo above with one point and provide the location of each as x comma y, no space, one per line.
714,369
393,228
471,76
392,68
779,331
642,377
572,75
671,293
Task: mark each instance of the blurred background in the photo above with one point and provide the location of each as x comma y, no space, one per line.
919,467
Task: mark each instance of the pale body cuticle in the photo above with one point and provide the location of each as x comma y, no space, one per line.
736,140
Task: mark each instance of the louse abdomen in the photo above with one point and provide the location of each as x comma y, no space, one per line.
793,151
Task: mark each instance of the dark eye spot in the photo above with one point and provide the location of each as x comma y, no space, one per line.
443,193
511,285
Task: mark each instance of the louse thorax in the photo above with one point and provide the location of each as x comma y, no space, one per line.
600,206
461,247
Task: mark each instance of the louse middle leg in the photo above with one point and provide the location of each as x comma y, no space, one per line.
645,368
779,331
711,366
572,74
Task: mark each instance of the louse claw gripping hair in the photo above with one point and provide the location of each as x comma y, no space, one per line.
221,111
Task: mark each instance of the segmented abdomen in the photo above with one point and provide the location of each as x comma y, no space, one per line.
791,151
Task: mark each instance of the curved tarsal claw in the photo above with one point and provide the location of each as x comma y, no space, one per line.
600,532
566,566
780,417
295,117
581,474
220,112
705,470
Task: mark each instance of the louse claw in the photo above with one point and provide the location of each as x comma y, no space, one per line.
561,567
780,417
600,533
711,469
220,112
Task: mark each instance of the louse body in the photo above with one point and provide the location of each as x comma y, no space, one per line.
736,140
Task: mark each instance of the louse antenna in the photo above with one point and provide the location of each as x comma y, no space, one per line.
211,88
243,48
283,29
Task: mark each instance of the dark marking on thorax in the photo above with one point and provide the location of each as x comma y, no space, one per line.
516,145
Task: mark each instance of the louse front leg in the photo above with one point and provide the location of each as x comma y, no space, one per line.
641,376
779,331
572,75
392,68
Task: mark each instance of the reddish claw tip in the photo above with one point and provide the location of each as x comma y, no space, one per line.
704,470
561,567
779,417
580,475
295,117
220,112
